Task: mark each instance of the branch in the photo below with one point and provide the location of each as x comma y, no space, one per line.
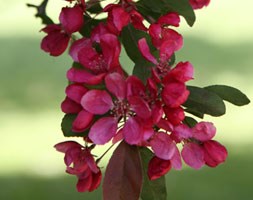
41,12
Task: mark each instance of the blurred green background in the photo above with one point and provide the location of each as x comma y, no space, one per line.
220,46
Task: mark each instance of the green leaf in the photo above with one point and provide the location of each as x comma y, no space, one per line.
123,175
151,190
195,112
142,70
204,101
66,126
151,5
94,6
89,24
182,7
130,37
191,122
229,94
154,9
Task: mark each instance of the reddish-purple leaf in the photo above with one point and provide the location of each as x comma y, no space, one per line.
123,176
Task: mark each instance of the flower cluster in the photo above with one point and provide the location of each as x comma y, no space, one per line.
111,106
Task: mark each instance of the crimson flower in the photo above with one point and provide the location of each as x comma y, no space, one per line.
158,167
199,148
95,64
123,105
120,16
174,91
80,162
58,36
164,37
72,105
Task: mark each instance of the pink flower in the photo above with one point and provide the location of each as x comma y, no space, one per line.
164,37
181,132
214,153
69,106
174,94
169,19
182,72
204,131
72,105
120,16
95,64
197,4
126,106
174,115
81,163
71,19
56,41
58,36
158,167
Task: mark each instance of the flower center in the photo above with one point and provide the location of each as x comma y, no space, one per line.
162,68
99,65
121,109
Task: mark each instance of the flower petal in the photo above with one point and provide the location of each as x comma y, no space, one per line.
55,43
181,132
193,155
158,167
83,76
174,115
120,17
182,72
163,146
82,121
65,146
75,92
215,153
170,18
96,180
76,47
135,87
139,106
116,84
103,130
71,19
197,4
204,131
145,51
97,102
70,107
83,185
111,48
176,161
132,131
174,94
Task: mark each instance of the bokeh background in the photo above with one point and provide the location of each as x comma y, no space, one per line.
220,46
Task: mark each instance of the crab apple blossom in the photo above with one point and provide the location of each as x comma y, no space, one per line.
147,112
95,64
58,36
125,105
158,167
56,40
214,153
72,105
120,15
182,72
80,162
